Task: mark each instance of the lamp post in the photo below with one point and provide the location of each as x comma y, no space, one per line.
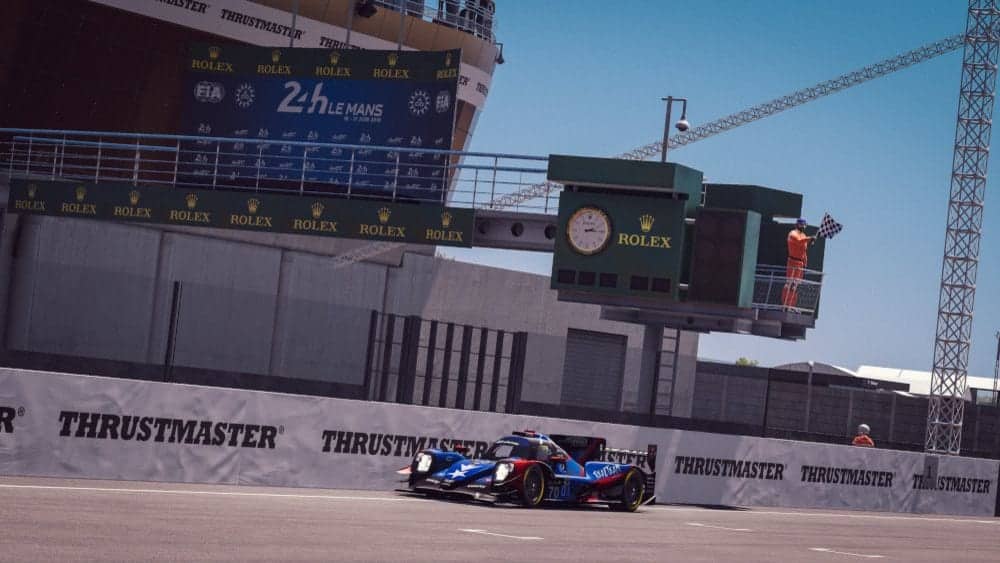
682,125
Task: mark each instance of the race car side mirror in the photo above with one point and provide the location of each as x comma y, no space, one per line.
558,458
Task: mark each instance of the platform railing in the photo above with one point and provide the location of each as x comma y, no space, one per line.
471,16
773,288
400,171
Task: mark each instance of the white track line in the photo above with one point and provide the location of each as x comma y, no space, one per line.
213,493
700,525
485,533
831,514
828,550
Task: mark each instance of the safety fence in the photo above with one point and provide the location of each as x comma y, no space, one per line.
426,362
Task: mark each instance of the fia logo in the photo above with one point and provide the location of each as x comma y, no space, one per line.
209,92
443,101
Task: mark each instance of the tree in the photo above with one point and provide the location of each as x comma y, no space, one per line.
746,362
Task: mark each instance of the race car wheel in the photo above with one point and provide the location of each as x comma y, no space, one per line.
633,489
532,487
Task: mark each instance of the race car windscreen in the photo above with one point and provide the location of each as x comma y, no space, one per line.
502,449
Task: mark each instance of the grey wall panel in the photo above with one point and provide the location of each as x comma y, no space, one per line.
594,369
322,318
227,311
83,288
543,368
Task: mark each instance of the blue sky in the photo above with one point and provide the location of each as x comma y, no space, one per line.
586,77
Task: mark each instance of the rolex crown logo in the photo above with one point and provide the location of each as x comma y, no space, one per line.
393,59
133,197
317,210
446,219
252,205
275,55
383,215
192,200
214,52
447,60
334,57
32,190
81,193
646,223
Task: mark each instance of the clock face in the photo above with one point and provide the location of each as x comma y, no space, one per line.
588,230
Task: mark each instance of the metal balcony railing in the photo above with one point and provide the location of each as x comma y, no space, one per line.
476,17
400,171
772,287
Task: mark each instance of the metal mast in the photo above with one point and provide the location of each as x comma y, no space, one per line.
965,220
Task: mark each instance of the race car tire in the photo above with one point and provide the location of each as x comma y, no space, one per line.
532,486
633,489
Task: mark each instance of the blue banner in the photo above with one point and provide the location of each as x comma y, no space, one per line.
278,98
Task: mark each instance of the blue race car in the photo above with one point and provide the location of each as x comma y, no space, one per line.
529,468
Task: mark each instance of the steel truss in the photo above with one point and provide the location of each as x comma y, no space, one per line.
962,235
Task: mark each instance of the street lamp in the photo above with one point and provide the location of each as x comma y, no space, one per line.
681,125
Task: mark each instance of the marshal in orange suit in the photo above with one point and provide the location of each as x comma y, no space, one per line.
798,259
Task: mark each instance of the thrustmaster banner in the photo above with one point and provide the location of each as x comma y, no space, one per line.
62,425
399,99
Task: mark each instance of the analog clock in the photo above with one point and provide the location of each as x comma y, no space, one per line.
588,230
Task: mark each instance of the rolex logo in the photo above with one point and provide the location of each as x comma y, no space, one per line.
275,55
81,193
192,200
646,223
317,210
133,197
214,52
334,57
383,215
393,59
32,190
447,60
446,219
252,205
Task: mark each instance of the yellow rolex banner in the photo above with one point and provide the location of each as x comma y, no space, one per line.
418,223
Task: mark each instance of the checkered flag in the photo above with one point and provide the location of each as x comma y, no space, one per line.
828,228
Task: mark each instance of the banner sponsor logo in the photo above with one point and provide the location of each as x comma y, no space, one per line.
952,484
846,476
294,214
7,415
394,445
133,210
29,203
729,468
254,22
107,426
189,5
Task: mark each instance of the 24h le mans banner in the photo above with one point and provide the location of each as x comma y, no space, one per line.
402,99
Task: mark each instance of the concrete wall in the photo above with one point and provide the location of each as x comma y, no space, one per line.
259,304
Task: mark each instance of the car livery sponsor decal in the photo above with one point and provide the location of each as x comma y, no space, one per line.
608,471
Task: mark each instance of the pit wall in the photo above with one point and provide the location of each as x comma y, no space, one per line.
59,425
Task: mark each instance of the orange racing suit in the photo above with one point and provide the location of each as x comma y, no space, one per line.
798,244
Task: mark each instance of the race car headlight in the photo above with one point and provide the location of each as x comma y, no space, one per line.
502,472
424,462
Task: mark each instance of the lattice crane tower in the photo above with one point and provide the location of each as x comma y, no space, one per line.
965,220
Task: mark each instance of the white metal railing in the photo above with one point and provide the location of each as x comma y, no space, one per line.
476,17
398,171
773,290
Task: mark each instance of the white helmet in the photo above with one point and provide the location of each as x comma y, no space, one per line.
863,429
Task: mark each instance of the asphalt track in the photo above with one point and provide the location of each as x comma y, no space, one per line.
79,520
